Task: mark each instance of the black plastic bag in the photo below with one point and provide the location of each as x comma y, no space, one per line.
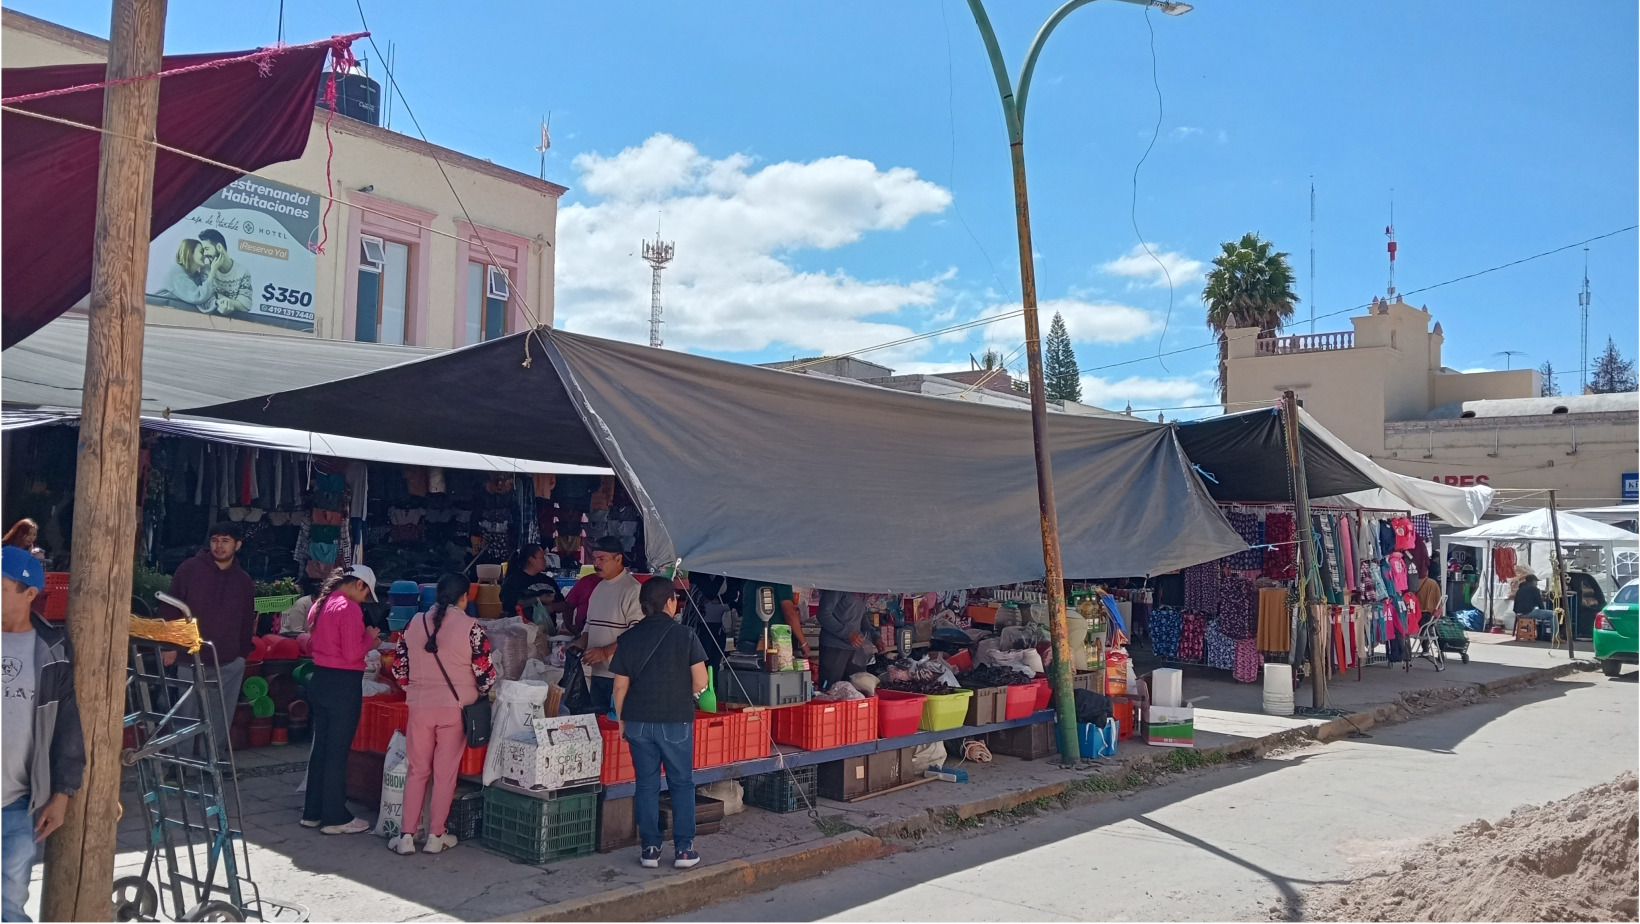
577,699
1091,708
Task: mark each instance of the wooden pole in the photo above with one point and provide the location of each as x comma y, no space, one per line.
1304,534
1562,604
79,857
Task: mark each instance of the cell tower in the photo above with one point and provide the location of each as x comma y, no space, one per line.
1389,232
1583,299
1312,253
657,254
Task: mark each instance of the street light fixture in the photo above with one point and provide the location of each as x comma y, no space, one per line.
1013,112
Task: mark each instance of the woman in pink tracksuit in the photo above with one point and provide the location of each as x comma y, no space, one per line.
443,665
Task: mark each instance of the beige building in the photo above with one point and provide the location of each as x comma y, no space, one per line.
404,264
1383,388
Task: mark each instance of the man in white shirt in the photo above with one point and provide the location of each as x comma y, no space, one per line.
613,609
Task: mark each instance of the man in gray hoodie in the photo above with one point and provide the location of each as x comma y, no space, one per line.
43,760
842,633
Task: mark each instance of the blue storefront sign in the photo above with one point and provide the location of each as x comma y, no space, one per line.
1631,487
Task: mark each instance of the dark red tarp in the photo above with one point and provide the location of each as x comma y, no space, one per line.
48,171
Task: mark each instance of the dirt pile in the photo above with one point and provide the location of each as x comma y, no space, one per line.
1573,860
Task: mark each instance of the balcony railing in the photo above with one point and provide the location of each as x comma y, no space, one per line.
1306,343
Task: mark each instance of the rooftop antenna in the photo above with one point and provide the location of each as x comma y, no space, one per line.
1312,253
1509,358
1389,232
657,254
546,142
1583,299
387,98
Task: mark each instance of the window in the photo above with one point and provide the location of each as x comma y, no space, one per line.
384,283
488,289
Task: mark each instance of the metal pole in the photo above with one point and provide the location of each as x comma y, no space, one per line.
1306,548
1560,579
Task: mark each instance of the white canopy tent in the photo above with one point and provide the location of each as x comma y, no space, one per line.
1534,533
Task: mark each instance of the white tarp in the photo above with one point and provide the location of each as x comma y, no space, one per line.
1454,505
1535,526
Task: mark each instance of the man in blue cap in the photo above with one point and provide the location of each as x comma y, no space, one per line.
43,760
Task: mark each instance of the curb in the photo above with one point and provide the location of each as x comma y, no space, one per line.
697,888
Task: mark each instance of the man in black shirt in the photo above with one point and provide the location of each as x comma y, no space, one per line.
660,671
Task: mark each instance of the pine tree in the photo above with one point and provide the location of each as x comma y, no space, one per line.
1548,389
1612,373
1063,380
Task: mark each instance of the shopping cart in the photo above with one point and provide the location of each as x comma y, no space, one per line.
1449,634
197,865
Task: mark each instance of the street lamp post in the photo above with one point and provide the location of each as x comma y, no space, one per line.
1013,112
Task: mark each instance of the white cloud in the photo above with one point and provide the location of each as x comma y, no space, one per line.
1143,392
1184,132
1086,322
1141,267
731,287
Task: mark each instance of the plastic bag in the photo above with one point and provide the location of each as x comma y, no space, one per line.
1027,662
729,792
394,770
373,687
577,695
534,669
864,682
931,755
518,703
839,691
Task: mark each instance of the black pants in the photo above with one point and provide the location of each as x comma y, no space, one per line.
335,698
834,664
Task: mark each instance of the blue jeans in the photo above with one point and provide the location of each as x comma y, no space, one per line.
672,744
18,844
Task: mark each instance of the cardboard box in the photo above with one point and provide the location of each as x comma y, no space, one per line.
1172,726
561,751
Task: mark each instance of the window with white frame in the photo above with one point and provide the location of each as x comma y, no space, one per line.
488,288
383,291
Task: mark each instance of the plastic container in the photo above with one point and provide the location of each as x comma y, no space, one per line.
1278,689
472,762
303,673
946,710
1116,663
261,708
819,725
254,688
752,735
715,736
380,717
961,661
535,830
260,732
898,714
988,706
399,616
617,766
428,597
791,790
489,610
274,604
1044,693
1021,700
466,819
762,688
56,596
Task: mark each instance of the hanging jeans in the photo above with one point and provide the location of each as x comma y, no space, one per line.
19,847
672,744
335,699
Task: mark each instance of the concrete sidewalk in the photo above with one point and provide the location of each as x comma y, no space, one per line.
356,878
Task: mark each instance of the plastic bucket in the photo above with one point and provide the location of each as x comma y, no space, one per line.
254,688
1278,689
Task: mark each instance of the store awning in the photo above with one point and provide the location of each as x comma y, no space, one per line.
308,442
188,366
1244,458
769,475
1536,526
248,114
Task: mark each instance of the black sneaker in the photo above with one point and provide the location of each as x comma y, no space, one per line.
685,859
650,858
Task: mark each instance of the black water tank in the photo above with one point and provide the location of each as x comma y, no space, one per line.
357,97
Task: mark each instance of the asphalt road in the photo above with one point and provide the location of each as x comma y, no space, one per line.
1230,844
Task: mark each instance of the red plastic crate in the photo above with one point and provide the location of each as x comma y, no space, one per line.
1122,709
56,596
898,714
1021,700
617,755
753,735
380,717
818,725
715,737
1044,693
472,761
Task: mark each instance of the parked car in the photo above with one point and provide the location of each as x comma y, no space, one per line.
1615,639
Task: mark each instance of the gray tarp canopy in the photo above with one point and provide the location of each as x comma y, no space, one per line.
777,476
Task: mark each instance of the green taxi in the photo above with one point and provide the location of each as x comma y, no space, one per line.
1614,630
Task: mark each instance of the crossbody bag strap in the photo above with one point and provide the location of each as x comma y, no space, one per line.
658,642
453,694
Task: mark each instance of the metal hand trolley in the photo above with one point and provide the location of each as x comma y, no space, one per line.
1449,633
197,864
1426,646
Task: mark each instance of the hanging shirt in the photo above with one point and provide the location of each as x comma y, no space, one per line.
1397,571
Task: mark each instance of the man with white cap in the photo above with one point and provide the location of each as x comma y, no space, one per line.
44,753
336,694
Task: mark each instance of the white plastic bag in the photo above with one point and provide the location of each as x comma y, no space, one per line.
518,703
928,755
729,792
373,687
394,771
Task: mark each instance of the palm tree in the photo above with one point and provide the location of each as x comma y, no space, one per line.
1250,285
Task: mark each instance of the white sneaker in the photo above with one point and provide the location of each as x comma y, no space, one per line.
438,843
403,844
356,826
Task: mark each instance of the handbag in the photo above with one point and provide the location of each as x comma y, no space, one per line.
475,716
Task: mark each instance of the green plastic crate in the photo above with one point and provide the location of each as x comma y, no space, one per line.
274,604
539,830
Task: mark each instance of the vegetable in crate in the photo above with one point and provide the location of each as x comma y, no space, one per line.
927,686
988,675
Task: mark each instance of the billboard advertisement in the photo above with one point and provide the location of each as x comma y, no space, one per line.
247,253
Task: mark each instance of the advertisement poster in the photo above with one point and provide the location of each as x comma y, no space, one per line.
247,253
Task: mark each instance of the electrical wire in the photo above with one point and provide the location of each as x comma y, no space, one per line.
951,177
1133,202
977,322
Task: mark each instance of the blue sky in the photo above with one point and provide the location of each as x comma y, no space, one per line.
836,173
